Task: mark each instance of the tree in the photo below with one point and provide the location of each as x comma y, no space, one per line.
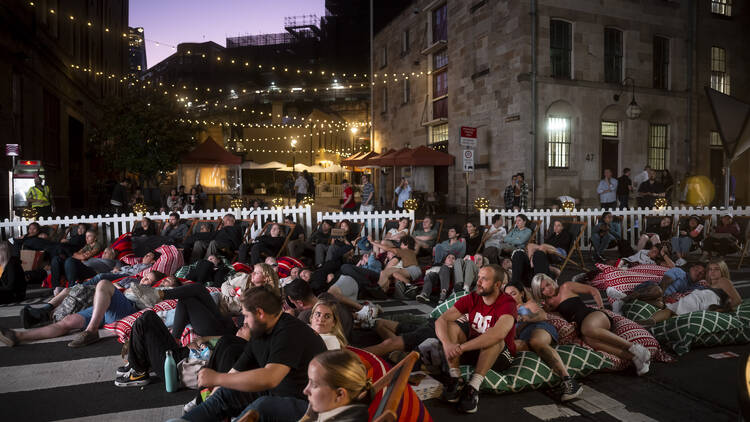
142,134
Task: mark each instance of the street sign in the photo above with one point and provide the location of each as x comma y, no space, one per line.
468,160
468,136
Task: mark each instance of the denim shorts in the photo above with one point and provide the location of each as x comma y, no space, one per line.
562,252
526,331
119,308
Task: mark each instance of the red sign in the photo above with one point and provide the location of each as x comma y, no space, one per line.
468,136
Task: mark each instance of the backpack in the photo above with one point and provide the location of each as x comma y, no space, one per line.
79,297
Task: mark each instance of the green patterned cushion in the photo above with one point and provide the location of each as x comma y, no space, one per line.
701,328
638,310
530,372
743,311
440,309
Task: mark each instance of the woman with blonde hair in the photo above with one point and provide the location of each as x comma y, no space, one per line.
592,324
232,289
338,388
324,320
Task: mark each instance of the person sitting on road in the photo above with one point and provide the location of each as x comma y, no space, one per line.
493,238
454,246
556,243
518,237
58,265
271,374
656,233
486,343
525,267
344,243
146,227
690,235
425,236
408,270
592,324
203,245
533,332
655,255
607,231
438,275
466,271
175,229
338,388
473,238
725,238
263,246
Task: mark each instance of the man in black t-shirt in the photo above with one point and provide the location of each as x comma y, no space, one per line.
649,190
624,187
271,373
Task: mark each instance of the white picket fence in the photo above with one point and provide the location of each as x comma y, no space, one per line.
111,227
632,218
374,221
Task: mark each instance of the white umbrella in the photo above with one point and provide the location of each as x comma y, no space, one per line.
255,166
297,167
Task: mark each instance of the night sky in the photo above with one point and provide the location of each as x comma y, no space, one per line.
174,21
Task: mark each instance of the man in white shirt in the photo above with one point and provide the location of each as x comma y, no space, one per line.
403,192
493,237
641,177
300,186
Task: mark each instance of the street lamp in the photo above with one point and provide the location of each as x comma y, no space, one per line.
634,110
294,157
354,131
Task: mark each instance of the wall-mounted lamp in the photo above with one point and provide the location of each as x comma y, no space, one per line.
634,110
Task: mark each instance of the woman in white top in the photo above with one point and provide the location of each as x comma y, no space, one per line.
325,321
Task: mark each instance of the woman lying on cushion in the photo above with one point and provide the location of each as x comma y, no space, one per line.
533,332
324,320
592,324
655,255
721,296
338,388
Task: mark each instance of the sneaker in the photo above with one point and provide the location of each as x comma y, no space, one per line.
134,379
84,339
396,356
617,306
641,352
469,400
148,295
641,367
411,291
192,404
36,317
680,262
399,288
423,298
8,337
124,370
571,389
443,295
467,288
452,390
613,293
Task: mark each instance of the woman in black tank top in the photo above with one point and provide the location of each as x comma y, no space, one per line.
593,325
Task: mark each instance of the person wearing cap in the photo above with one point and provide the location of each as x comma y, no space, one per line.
690,233
39,198
725,237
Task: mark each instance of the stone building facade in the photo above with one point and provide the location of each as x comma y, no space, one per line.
441,65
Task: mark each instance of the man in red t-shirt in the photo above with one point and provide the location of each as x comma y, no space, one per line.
485,342
349,204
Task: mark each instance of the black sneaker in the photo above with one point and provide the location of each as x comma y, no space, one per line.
423,298
570,389
452,390
124,370
411,291
469,400
134,379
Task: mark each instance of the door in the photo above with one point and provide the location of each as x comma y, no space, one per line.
717,163
610,156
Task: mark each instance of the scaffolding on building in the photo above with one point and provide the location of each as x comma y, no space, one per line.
299,28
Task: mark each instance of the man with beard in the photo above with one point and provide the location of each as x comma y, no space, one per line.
486,342
271,374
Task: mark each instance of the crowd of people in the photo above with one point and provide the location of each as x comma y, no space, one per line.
277,323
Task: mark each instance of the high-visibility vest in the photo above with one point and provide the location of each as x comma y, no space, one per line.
40,195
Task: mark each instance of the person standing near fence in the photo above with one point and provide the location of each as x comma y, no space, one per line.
403,192
607,190
368,194
40,198
300,187
349,204
624,187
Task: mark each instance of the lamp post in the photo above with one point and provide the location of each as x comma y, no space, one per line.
294,157
634,110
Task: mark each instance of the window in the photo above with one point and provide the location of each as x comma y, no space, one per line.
404,42
610,129
714,140
384,98
658,146
719,74
439,133
440,24
558,142
440,85
661,62
612,55
560,46
405,98
721,7
383,57
440,60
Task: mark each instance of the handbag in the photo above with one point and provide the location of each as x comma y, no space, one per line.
79,297
188,369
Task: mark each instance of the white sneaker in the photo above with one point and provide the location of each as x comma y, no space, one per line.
640,352
641,368
189,406
617,306
680,262
613,293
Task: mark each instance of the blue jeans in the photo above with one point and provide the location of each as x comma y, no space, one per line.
119,308
681,245
230,403
104,276
600,243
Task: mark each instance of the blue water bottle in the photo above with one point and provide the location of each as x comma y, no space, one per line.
170,373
